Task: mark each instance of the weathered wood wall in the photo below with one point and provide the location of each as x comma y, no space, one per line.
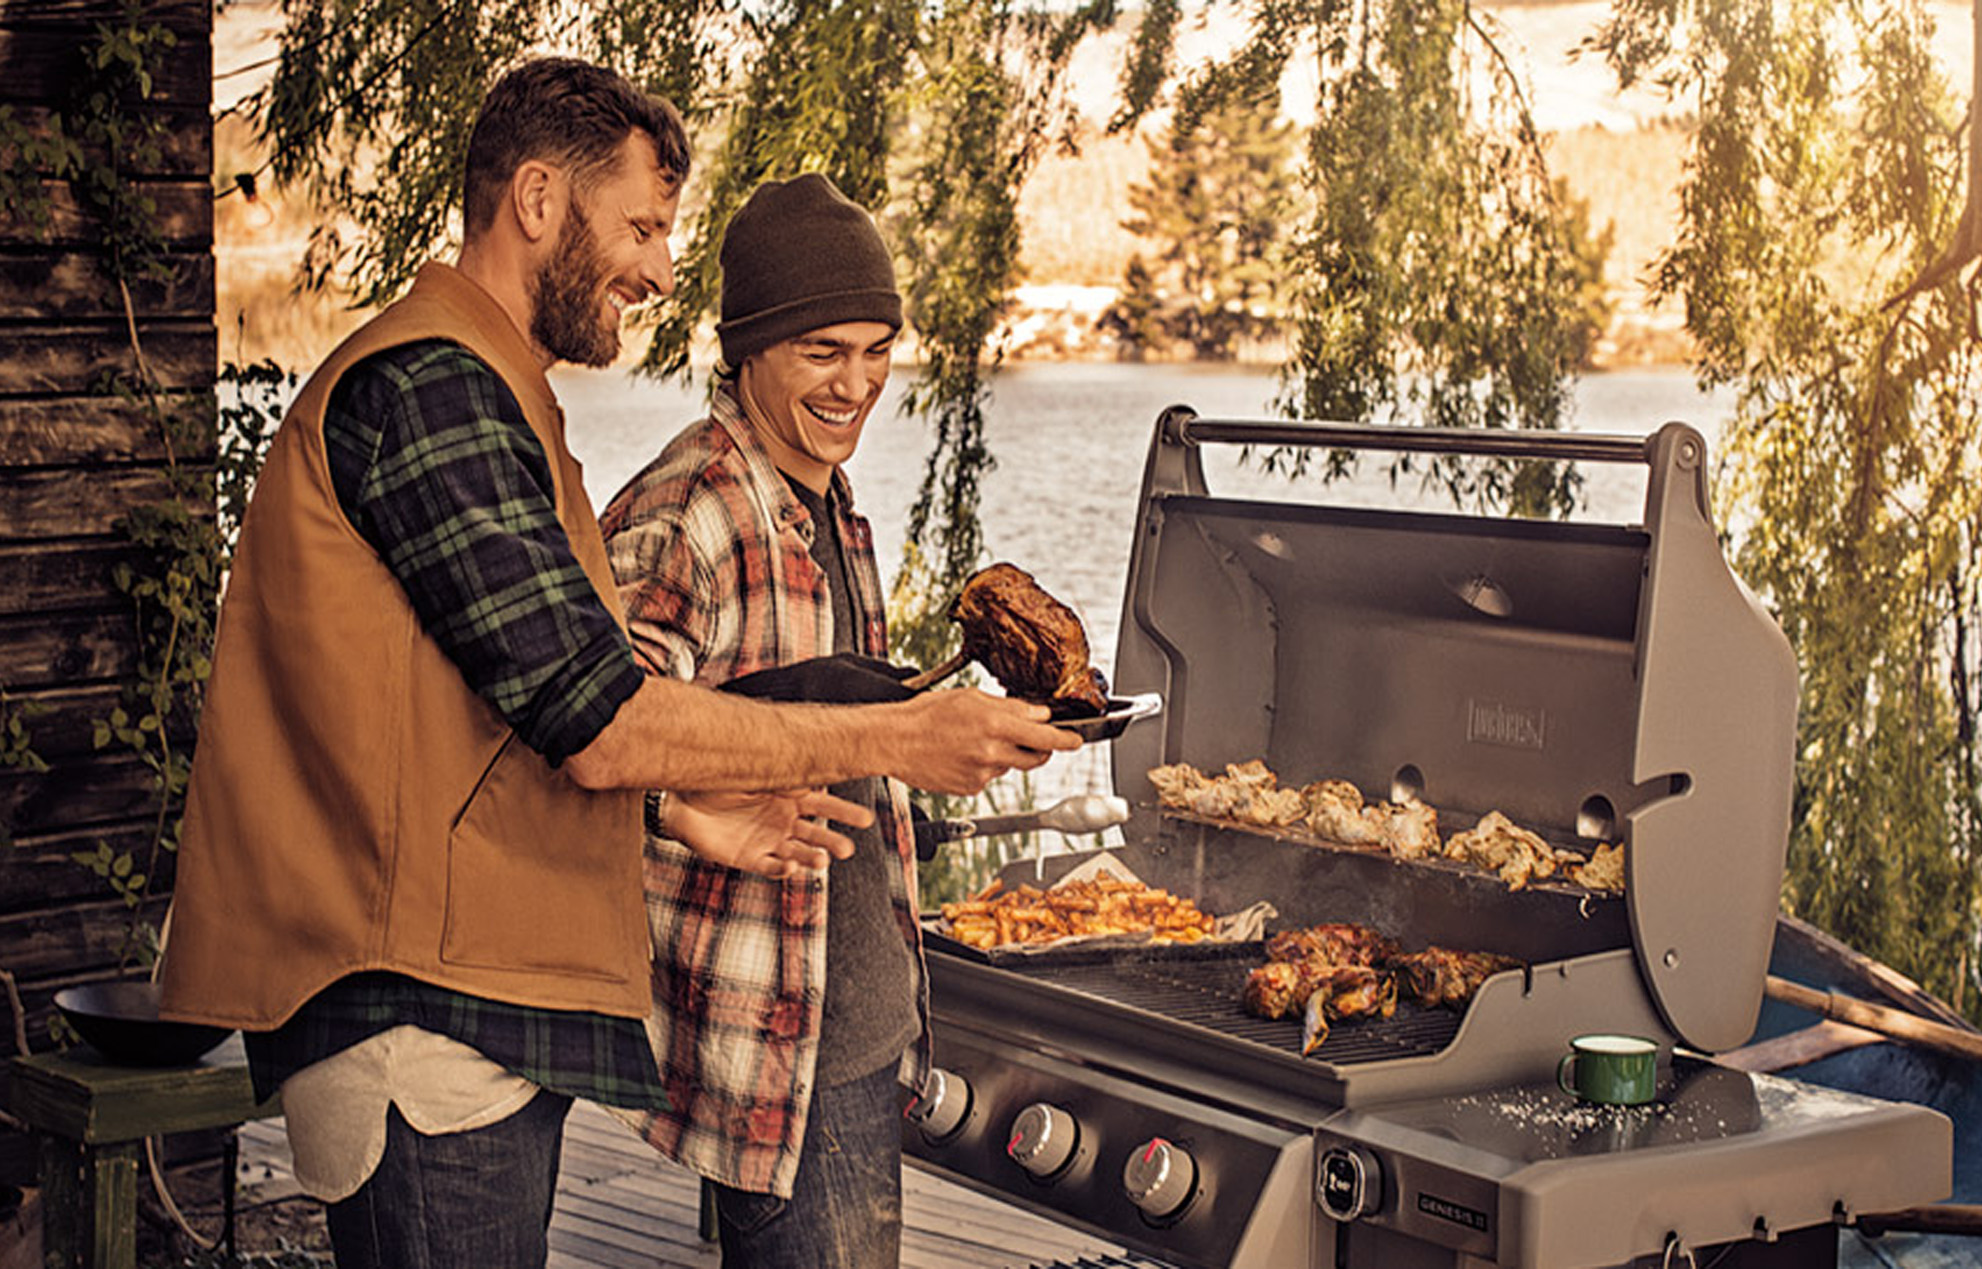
74,457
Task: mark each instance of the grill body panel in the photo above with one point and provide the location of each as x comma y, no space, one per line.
1594,683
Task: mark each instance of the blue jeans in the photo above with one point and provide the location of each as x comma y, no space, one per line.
845,1211
462,1200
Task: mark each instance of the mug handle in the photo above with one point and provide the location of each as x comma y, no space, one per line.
1562,1074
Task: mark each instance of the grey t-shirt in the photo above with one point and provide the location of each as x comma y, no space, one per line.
869,1012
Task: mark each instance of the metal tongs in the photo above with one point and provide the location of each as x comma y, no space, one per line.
1082,813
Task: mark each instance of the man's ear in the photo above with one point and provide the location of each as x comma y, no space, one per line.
538,194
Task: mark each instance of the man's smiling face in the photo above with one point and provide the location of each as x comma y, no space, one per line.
809,397
611,253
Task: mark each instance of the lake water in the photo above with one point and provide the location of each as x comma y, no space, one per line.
1070,441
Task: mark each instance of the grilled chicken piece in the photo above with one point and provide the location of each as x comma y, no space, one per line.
1335,812
1499,845
1174,782
1277,988
1410,829
1604,871
1334,943
1441,976
1348,991
1301,963
1031,642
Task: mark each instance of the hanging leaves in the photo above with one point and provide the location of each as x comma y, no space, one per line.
1826,174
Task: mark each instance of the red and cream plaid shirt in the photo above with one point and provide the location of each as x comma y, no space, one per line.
713,556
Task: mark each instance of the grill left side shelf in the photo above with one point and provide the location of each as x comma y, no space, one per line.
90,1120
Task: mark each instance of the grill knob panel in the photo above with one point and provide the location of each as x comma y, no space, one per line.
1160,1178
943,1106
1043,1139
1349,1183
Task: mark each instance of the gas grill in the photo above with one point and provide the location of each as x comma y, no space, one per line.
1595,683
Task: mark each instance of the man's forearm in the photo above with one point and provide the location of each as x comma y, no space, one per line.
674,735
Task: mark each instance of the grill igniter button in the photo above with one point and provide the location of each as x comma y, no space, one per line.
1160,1178
1349,1184
1043,1139
943,1106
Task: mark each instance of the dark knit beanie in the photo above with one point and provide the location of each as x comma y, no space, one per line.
799,255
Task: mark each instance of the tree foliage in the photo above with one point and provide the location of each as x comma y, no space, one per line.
1219,189
1826,173
1437,277
932,115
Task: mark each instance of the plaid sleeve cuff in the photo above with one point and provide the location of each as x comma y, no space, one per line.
583,696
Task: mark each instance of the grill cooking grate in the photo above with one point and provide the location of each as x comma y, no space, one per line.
1207,992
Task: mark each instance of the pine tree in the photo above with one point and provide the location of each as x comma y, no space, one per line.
1215,208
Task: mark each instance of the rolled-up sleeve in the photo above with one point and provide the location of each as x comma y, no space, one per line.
665,590
436,466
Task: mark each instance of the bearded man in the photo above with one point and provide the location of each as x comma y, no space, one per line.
410,859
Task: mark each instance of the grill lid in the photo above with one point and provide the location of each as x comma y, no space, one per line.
1614,680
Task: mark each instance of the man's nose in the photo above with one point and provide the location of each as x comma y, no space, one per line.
851,381
657,268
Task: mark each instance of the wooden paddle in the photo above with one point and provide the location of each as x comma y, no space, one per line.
1896,1023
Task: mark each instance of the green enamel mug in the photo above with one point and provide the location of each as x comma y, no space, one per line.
1614,1070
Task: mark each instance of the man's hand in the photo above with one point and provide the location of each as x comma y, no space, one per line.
772,834
958,741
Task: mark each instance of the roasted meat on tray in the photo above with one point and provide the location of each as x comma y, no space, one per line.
1032,643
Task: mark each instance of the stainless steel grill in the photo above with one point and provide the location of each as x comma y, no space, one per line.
1590,681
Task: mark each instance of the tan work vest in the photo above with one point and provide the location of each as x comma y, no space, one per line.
354,805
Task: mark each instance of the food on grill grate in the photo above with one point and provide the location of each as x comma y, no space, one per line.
1340,970
1604,871
1335,942
1346,992
1501,846
1441,976
1104,905
1330,809
1031,642
1334,811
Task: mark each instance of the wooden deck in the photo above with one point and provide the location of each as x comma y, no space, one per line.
622,1206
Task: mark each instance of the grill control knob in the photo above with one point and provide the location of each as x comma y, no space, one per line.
1043,1139
1160,1178
1350,1183
943,1106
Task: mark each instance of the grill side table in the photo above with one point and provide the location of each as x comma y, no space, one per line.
90,1120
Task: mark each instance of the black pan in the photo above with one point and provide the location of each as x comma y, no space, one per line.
120,1021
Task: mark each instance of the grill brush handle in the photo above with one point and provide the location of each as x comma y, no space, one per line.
1562,446
1083,813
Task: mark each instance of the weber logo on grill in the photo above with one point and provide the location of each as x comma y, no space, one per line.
1497,723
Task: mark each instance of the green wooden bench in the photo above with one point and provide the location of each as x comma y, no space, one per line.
91,1120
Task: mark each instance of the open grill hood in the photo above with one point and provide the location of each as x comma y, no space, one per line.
1592,682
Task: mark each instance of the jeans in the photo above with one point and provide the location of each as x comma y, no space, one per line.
845,1211
462,1200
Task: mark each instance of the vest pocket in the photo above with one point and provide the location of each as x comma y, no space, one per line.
542,875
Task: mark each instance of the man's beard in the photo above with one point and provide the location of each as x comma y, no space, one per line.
566,296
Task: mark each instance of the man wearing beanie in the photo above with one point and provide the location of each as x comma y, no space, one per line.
787,1012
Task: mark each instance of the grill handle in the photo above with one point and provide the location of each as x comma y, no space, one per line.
1188,429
